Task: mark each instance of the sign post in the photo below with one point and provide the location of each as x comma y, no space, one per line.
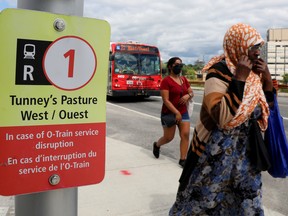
53,108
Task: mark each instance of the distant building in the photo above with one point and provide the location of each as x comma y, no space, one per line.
275,52
199,63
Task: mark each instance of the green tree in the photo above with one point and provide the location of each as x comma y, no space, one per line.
189,70
164,69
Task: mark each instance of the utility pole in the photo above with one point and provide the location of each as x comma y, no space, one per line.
67,7
61,202
285,58
276,62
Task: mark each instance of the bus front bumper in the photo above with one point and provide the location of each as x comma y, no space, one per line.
134,92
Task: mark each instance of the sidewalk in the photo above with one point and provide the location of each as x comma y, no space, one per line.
136,184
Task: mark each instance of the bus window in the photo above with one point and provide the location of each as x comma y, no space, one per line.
126,63
150,64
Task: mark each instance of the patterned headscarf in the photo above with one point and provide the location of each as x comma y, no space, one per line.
236,43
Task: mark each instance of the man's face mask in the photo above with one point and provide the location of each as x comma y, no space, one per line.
177,69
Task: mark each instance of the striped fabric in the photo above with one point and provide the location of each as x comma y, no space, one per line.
222,97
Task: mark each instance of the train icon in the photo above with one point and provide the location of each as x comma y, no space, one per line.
29,51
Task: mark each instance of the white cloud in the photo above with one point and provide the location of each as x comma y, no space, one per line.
189,29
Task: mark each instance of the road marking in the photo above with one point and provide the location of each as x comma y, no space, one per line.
143,114
157,118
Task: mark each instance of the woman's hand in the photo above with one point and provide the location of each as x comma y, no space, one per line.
178,117
184,99
261,67
243,68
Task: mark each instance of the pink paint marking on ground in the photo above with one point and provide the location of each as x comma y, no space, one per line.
125,172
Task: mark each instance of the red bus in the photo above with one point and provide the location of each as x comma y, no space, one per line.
134,70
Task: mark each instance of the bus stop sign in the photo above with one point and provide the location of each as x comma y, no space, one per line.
53,101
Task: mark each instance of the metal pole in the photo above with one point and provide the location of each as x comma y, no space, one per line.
62,202
68,7
275,61
285,58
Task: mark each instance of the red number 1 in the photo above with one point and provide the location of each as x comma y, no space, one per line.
71,55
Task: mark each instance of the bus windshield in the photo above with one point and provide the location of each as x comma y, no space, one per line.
137,64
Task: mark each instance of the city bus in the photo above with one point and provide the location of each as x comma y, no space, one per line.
134,70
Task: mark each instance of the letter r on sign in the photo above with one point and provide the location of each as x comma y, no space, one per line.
28,70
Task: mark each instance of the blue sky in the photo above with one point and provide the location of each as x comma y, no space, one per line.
4,4
189,29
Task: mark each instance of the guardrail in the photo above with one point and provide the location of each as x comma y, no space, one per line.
196,82
283,86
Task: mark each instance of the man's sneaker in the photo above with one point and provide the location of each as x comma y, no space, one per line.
182,163
156,150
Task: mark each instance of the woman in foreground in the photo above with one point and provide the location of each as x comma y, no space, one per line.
218,177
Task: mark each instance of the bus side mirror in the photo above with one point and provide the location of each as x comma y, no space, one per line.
111,57
163,70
